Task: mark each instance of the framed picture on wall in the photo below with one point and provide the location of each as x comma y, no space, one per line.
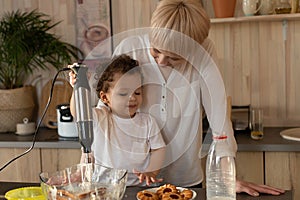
93,28
93,32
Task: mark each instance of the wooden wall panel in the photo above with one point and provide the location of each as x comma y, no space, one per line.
293,72
258,61
131,14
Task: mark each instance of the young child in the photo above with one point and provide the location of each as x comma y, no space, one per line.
123,137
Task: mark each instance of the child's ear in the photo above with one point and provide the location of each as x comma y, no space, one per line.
103,97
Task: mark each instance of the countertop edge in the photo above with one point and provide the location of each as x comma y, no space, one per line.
272,142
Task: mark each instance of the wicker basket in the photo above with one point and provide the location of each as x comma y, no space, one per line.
15,105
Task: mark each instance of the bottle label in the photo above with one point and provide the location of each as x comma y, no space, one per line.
220,137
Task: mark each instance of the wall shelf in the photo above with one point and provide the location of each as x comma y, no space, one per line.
258,18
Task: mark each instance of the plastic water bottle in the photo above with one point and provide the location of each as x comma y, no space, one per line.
220,171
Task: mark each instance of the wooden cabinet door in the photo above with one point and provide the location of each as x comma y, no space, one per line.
58,159
250,167
282,171
24,169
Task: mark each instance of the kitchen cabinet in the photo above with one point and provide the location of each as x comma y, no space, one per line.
277,169
28,167
57,159
250,166
282,170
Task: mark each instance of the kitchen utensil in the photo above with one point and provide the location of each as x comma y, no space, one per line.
291,134
83,105
294,6
25,128
66,126
251,7
84,181
25,193
256,122
223,8
282,7
240,116
266,7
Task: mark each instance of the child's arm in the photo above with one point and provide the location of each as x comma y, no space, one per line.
155,164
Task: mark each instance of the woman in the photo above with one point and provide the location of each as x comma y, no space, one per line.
182,79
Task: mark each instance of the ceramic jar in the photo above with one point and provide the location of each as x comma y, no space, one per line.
251,7
267,7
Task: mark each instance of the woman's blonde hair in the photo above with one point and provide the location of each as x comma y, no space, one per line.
185,16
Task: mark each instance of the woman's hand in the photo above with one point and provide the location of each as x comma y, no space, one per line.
149,177
255,189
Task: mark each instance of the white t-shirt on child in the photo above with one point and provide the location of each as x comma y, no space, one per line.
125,143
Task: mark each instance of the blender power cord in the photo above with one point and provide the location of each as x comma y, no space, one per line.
39,123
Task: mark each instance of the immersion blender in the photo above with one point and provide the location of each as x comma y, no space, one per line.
84,116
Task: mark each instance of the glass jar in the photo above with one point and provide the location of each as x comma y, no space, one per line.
282,7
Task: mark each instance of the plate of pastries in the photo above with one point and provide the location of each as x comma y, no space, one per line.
166,192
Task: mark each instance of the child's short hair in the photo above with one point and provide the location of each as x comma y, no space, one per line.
120,64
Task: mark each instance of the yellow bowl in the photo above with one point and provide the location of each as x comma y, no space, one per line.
25,193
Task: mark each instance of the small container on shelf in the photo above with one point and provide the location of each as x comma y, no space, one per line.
294,6
282,7
267,7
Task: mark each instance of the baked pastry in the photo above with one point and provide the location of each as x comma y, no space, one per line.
167,188
186,194
147,195
171,196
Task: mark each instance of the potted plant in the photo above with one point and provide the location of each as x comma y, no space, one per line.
26,45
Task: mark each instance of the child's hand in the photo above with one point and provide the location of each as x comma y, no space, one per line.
72,78
149,177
